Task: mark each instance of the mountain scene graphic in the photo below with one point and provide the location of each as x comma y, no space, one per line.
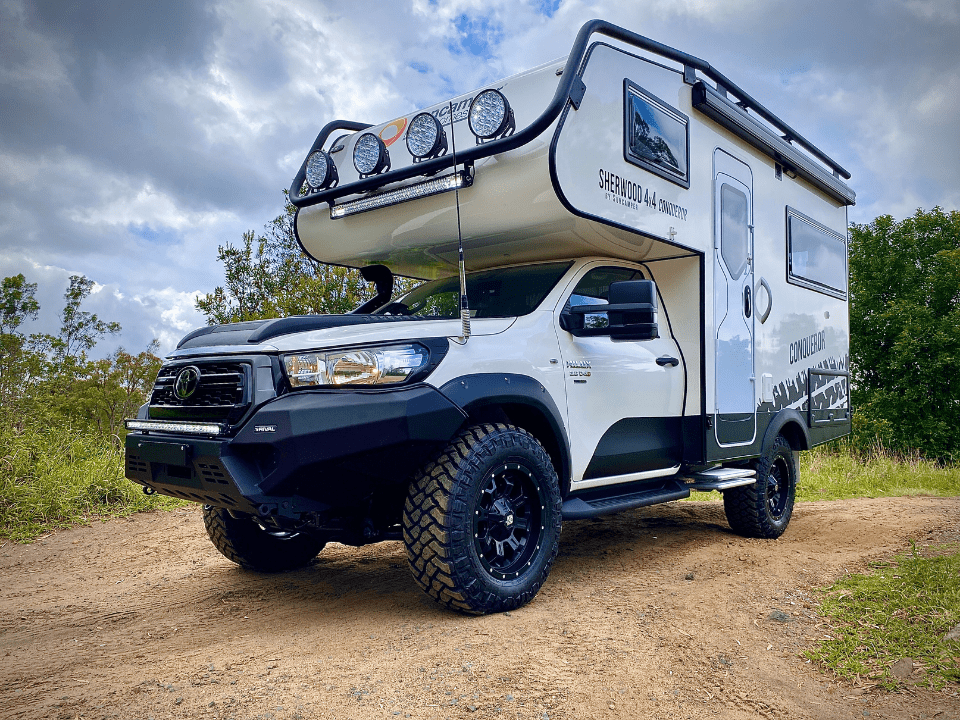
649,145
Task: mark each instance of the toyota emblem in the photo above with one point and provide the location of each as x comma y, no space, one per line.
187,382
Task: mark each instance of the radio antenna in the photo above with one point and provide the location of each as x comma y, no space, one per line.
464,307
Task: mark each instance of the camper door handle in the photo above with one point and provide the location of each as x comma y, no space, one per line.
747,310
667,360
766,313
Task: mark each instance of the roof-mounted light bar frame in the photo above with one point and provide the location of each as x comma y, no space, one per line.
434,186
568,89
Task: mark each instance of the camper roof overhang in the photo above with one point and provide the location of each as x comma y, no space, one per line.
569,89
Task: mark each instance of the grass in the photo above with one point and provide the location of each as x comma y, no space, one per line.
831,474
828,474
59,477
903,609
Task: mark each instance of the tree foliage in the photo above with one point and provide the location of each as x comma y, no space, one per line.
79,329
17,303
905,332
269,276
50,379
61,415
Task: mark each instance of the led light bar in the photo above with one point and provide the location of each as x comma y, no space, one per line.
457,180
170,426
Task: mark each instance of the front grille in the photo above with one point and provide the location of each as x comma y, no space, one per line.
222,392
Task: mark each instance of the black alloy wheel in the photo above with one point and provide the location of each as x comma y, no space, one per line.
508,521
777,490
481,523
764,509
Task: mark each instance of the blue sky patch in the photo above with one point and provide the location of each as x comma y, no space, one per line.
548,7
477,36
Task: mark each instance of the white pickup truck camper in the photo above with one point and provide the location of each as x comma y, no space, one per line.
655,303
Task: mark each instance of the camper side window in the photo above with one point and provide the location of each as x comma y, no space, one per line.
656,136
816,256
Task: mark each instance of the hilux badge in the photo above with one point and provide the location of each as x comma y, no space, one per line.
187,382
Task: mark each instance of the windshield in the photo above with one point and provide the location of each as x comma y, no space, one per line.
503,292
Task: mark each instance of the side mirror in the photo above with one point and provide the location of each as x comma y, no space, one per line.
633,310
631,313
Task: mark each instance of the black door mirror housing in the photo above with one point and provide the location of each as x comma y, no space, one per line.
631,313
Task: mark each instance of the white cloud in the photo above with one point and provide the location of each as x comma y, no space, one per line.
130,148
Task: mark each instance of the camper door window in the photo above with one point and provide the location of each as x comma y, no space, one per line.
816,257
655,136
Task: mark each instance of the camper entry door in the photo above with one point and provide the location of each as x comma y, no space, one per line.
736,418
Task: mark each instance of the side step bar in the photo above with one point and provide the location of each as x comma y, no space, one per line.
581,508
721,479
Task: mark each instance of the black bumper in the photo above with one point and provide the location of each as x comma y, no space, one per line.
305,452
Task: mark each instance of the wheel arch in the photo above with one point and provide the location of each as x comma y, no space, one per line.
518,400
789,423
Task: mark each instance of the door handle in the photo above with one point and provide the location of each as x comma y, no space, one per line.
747,305
667,360
766,313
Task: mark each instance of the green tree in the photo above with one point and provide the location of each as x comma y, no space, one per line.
79,330
905,332
270,276
18,360
112,389
17,303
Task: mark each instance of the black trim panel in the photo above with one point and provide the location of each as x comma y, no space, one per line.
636,445
474,392
258,331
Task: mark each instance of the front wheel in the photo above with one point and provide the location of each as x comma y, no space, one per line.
255,547
764,509
481,523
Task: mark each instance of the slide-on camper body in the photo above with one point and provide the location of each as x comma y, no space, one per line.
656,303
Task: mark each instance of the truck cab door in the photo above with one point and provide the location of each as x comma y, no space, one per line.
736,399
624,397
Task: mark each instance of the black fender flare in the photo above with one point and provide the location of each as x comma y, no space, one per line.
787,418
472,392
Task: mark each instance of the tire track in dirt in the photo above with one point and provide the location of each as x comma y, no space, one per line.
657,613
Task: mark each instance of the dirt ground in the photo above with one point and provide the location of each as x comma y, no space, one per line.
655,613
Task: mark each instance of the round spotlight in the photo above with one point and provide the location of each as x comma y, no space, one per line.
321,172
489,114
370,155
425,137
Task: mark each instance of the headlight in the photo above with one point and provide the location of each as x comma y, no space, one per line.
425,137
490,115
370,155
321,172
363,366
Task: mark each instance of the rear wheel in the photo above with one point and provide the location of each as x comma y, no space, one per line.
481,524
256,547
764,509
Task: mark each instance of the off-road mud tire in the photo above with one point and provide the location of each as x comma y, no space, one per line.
764,509
463,515
252,547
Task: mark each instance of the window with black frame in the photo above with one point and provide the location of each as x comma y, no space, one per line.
816,256
593,289
656,136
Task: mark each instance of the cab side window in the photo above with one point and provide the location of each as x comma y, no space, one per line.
593,289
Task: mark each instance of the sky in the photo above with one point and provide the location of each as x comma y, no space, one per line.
137,137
